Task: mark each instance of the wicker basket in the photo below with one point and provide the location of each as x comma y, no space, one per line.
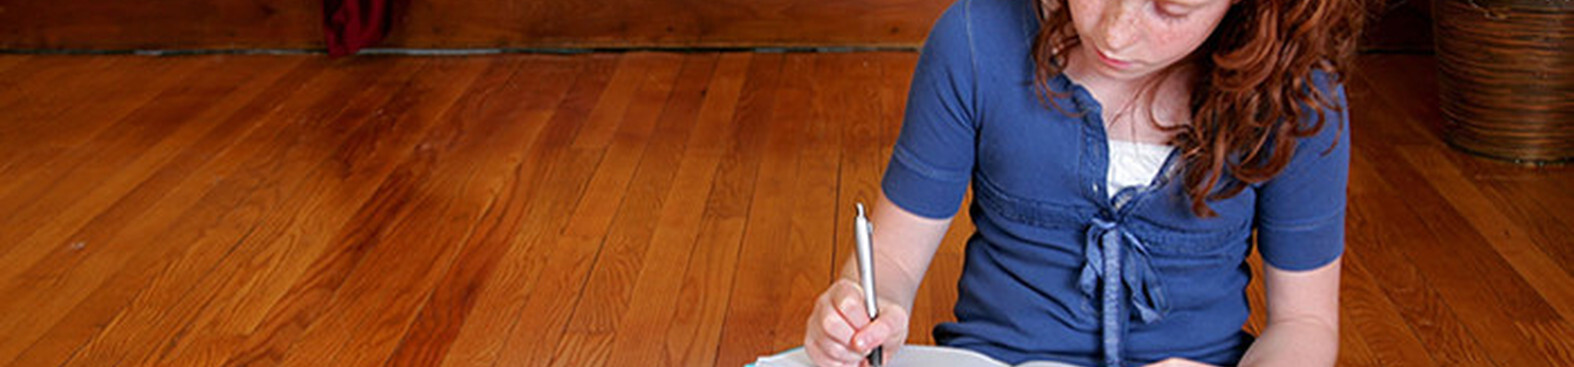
1507,77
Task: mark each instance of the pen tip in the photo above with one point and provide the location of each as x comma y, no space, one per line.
860,207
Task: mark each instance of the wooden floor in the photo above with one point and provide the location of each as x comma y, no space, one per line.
609,209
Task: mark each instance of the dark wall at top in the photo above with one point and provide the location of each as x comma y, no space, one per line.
174,24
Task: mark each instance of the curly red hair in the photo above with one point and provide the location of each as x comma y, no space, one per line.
1252,82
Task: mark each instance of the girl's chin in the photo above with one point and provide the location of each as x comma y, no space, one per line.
1123,73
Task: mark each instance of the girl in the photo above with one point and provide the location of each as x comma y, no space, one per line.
1122,154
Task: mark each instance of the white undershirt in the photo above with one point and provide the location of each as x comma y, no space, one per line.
1133,164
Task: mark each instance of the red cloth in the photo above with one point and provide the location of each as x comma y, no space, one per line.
354,24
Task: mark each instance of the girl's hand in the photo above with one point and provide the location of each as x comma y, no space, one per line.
840,333
1179,362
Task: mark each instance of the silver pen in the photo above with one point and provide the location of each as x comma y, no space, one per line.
864,231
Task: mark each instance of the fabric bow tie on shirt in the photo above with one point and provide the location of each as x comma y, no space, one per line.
1105,243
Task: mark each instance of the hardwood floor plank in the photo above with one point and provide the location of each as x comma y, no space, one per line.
453,187
80,182
127,229
858,103
455,296
597,222
1507,238
624,241
621,150
1552,337
1366,311
8,80
256,203
1540,201
1363,307
1519,191
656,295
1551,229
853,104
553,187
1370,319
635,267
1380,227
44,85
272,263
377,181
694,335
84,173
7,61
627,248
812,246
758,293
1473,278
66,121
606,172
846,95
633,72
73,268
59,120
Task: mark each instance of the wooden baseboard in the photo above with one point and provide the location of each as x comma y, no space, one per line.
87,24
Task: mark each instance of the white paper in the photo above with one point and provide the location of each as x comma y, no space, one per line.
908,356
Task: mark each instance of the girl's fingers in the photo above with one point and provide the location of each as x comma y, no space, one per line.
835,327
841,332
889,329
830,333
825,352
874,335
819,357
849,302
839,352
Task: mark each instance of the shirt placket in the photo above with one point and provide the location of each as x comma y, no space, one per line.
1115,259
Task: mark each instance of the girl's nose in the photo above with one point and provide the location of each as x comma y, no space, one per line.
1120,26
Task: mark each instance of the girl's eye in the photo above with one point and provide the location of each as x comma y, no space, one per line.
1168,12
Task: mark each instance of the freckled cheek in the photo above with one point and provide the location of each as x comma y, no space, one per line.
1172,44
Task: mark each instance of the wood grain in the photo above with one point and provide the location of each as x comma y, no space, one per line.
79,182
755,307
627,250
696,331
673,209
1510,240
184,284
602,174
37,135
656,293
518,103
124,229
552,184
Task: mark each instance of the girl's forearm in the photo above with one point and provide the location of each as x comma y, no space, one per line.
1295,342
904,244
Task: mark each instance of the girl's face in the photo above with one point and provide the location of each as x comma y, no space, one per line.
1131,39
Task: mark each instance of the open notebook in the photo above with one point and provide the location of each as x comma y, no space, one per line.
909,356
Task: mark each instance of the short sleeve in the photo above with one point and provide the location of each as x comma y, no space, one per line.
1300,212
933,158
